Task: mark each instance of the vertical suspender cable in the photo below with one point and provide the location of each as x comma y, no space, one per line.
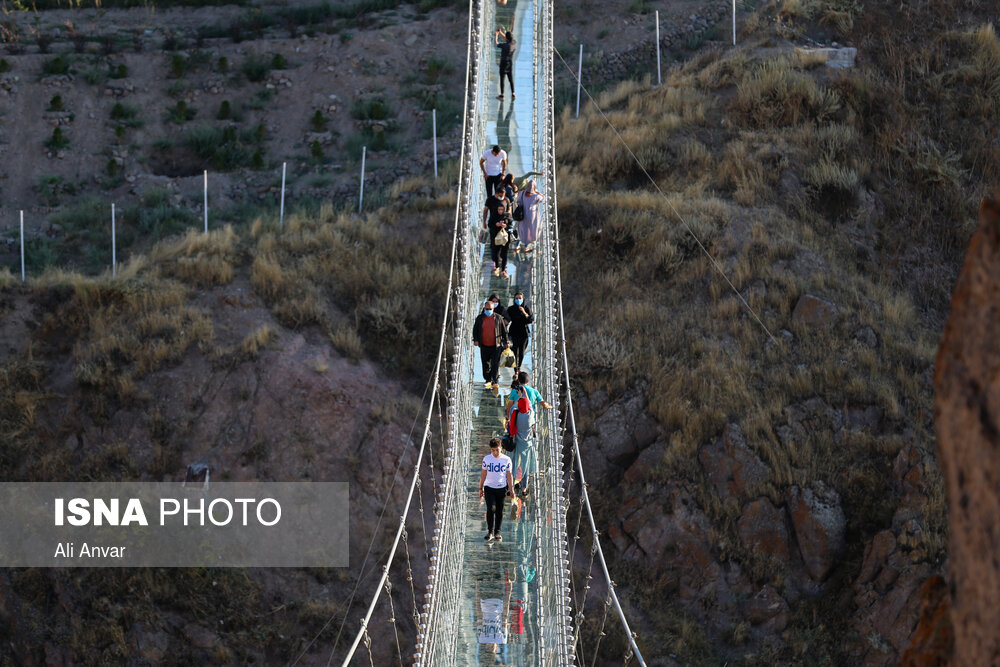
572,422
434,389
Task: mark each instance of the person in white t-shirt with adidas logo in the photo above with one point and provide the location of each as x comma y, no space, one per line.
495,483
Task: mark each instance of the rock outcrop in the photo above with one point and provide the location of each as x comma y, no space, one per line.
730,465
967,420
820,527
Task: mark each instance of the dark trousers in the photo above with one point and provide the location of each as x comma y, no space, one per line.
494,507
490,356
494,184
518,345
507,69
499,253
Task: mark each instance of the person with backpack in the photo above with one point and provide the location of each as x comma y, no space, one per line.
506,59
496,482
520,411
489,334
520,317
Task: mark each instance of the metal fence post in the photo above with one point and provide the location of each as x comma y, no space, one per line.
281,213
579,80
434,138
22,246
361,197
658,79
114,244
205,206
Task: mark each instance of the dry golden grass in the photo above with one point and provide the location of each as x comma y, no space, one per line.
792,168
775,94
256,340
198,258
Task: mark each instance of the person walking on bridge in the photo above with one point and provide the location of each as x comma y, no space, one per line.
506,59
527,229
496,482
520,317
493,164
489,334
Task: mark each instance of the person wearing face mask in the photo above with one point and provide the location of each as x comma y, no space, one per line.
499,310
520,317
489,334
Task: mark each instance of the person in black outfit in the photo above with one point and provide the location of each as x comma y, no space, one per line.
499,218
489,334
497,308
519,316
506,60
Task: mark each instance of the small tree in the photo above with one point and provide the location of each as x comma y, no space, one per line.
318,121
56,103
177,66
278,61
316,149
117,111
257,161
57,141
225,111
223,65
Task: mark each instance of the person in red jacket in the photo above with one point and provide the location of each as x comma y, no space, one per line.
489,334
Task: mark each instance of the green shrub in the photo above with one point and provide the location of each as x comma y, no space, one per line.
57,141
318,121
278,61
4,65
119,72
316,150
181,112
178,66
225,148
257,161
58,65
56,103
371,109
225,111
223,65
256,68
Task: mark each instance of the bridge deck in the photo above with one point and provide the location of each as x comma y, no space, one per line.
504,571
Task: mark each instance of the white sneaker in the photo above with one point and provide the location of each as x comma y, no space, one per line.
489,537
497,536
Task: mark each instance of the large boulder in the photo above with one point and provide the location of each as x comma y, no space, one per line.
814,312
730,465
820,527
762,528
767,608
967,420
622,432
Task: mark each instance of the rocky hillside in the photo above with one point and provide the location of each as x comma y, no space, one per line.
772,486
770,489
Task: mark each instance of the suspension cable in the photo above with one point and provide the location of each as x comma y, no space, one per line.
437,368
572,418
715,263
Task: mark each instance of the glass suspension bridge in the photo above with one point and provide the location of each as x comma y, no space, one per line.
509,603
